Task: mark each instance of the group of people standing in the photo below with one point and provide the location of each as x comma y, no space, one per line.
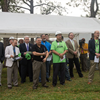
35,60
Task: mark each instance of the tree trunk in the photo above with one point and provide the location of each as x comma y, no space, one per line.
93,12
31,7
4,6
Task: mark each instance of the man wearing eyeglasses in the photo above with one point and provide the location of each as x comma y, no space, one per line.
72,55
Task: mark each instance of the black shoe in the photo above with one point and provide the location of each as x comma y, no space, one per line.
54,85
23,81
69,80
72,76
34,88
63,84
47,80
45,86
9,87
31,81
81,76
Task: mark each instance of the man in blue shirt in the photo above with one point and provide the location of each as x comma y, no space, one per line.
48,46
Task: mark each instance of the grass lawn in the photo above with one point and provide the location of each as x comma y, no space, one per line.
77,89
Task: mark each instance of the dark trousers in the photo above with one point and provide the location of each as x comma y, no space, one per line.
67,75
71,65
51,62
47,69
83,58
56,68
24,69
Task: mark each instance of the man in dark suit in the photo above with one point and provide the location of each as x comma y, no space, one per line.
26,64
94,53
1,59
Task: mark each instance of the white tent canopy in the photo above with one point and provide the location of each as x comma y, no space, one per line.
18,25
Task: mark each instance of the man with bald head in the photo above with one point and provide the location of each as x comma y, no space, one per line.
94,51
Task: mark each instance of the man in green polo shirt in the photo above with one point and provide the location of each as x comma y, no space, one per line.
59,49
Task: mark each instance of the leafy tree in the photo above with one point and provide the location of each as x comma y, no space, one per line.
10,6
51,7
87,6
47,7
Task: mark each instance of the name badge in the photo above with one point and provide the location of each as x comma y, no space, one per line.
41,56
97,50
58,43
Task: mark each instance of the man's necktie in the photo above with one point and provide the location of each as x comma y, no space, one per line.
27,47
14,50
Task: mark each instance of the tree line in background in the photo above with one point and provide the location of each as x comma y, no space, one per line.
46,7
91,7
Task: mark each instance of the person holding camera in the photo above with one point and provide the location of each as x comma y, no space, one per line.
83,54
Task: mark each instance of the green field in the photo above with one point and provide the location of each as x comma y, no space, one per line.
77,89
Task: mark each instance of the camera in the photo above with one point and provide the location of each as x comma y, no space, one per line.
81,42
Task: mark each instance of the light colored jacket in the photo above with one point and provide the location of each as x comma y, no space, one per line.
71,51
8,52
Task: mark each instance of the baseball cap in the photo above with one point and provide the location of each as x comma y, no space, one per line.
11,38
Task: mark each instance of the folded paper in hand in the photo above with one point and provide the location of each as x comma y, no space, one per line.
96,60
62,58
49,58
17,58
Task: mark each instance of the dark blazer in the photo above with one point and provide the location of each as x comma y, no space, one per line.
23,49
2,52
91,48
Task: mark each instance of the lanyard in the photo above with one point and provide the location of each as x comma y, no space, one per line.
96,43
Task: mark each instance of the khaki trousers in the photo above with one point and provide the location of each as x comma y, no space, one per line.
12,70
0,71
37,66
92,70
